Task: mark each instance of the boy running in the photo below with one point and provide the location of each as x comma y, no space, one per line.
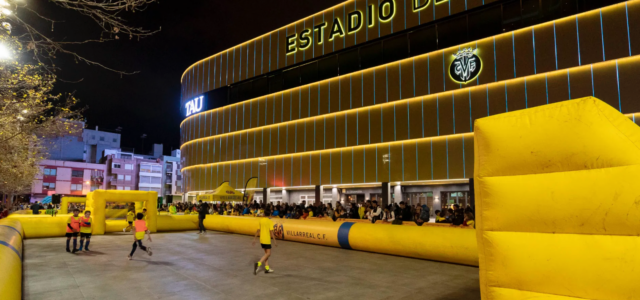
266,234
130,217
85,230
140,229
73,227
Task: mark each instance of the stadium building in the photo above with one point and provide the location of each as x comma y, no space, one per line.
376,99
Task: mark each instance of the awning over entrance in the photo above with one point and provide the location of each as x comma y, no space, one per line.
223,193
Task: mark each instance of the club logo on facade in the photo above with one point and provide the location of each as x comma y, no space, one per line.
466,66
193,106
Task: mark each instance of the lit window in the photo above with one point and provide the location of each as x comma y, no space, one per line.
120,176
119,188
48,185
76,187
128,167
126,188
50,172
127,177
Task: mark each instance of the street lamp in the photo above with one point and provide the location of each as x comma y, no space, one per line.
5,53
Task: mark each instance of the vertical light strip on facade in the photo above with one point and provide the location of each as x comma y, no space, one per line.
555,44
618,82
453,112
513,45
593,86
495,61
526,97
535,67
578,37
569,82
626,8
602,36
506,97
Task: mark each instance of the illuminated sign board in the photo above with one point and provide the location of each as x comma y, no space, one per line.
194,105
355,20
466,66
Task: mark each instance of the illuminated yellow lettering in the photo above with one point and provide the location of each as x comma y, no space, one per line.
354,22
305,39
291,44
372,10
387,10
336,29
320,29
417,6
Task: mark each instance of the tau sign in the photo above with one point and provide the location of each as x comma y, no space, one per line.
193,106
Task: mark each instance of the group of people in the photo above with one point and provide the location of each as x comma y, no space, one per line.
456,215
396,213
82,226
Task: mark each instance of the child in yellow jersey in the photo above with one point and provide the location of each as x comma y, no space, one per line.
172,209
73,227
85,230
144,213
266,234
139,230
130,216
469,220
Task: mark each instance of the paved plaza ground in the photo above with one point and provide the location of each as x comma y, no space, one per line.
218,265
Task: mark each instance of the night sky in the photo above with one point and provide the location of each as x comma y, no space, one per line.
148,102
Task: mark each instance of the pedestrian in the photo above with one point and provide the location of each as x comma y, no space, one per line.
202,214
35,208
266,235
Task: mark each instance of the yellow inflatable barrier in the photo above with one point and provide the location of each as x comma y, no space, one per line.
448,244
11,259
42,226
97,200
557,197
64,203
178,223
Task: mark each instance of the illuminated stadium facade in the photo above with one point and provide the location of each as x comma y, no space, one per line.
376,99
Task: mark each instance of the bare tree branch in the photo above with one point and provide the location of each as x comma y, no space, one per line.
105,13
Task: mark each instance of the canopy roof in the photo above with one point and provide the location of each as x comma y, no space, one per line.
223,193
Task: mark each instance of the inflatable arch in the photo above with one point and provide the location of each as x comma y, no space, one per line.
64,203
96,202
558,203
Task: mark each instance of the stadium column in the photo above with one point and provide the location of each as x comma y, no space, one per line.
397,193
386,194
318,194
265,195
